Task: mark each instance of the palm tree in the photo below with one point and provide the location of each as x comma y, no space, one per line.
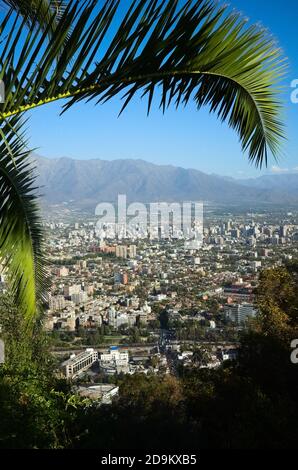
92,50
37,10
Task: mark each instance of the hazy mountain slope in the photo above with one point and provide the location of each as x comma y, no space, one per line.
286,182
88,182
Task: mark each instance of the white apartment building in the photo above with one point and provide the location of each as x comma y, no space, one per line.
112,316
115,356
79,363
132,251
121,251
57,302
70,290
239,313
79,298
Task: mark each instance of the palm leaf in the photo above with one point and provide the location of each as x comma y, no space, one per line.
37,9
21,237
194,50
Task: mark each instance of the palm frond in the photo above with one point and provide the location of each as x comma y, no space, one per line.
188,50
37,9
21,236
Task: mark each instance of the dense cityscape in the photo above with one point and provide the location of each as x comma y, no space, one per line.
151,306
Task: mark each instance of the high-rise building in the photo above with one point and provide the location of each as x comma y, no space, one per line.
235,233
112,315
256,265
283,231
121,278
132,249
274,240
239,313
56,302
79,298
124,278
121,251
267,231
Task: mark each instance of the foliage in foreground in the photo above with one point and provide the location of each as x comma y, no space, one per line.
35,407
248,404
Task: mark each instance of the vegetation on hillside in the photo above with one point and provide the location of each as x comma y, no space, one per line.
251,403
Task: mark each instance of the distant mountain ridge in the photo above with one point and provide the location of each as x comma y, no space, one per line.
284,181
88,182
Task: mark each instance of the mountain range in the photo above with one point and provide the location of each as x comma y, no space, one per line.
88,182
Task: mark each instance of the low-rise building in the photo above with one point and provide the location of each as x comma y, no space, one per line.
101,393
78,363
115,360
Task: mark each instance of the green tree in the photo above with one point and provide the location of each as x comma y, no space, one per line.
36,407
200,357
164,319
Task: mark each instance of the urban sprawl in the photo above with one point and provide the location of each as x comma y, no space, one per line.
150,305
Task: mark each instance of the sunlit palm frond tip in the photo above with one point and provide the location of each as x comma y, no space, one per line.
194,50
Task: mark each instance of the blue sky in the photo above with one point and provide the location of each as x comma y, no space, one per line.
186,137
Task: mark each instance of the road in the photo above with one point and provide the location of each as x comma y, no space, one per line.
165,339
132,348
